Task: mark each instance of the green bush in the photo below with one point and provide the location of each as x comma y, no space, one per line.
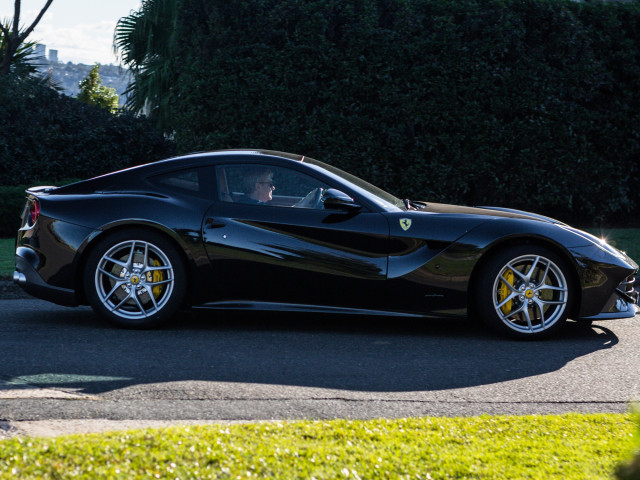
631,469
530,104
44,134
12,202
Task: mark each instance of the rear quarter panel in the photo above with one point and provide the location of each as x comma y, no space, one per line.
70,225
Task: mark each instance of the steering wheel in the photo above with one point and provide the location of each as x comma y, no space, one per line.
313,199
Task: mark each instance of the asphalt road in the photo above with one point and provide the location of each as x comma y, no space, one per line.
62,363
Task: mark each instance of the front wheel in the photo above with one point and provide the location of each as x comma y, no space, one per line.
135,279
524,292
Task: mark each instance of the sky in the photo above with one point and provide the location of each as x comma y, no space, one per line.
81,30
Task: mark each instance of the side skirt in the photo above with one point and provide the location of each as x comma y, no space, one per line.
294,307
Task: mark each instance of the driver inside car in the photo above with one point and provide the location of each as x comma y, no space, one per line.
258,187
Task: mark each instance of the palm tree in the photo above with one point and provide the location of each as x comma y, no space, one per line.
147,42
13,37
23,59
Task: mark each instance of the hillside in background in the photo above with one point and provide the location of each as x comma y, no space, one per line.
68,75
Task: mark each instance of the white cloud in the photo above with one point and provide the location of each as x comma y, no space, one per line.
84,43
82,32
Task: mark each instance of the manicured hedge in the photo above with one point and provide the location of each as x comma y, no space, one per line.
47,135
12,201
531,104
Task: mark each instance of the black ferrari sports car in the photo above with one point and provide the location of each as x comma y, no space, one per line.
269,230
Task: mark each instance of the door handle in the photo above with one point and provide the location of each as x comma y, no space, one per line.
211,223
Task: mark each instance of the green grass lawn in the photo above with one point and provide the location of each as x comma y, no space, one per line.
625,239
504,447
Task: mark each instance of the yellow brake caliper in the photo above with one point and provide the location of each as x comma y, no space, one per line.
156,276
504,291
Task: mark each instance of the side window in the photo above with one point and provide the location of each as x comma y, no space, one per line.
192,181
268,185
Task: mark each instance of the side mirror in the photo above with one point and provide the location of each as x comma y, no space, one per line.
337,200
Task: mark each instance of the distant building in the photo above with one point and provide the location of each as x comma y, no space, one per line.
40,50
53,56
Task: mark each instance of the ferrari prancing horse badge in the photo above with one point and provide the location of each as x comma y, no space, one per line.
405,223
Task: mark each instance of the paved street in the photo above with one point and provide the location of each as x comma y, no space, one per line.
66,364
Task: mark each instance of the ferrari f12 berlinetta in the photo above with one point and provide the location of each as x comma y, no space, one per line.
269,230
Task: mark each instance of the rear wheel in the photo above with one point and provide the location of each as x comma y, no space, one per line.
135,279
524,292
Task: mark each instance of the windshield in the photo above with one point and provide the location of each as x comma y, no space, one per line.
373,193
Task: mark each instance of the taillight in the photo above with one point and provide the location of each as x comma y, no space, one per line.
34,211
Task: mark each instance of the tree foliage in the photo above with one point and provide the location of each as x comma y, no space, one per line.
13,37
530,104
48,136
22,63
94,92
148,43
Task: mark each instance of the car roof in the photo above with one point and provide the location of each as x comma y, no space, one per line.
232,153
196,159
178,162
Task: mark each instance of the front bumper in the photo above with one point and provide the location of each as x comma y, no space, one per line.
27,277
623,303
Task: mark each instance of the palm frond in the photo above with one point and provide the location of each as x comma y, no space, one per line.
24,62
145,41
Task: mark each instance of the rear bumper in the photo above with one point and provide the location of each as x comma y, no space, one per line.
27,277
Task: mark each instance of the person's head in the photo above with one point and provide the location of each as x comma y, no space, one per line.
258,184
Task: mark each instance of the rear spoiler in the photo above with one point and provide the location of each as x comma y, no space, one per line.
41,189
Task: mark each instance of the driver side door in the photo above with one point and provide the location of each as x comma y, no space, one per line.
290,249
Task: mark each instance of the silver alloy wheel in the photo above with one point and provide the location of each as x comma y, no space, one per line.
134,279
530,294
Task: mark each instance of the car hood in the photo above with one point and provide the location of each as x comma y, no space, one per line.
485,212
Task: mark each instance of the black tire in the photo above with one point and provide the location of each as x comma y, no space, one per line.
135,279
524,292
